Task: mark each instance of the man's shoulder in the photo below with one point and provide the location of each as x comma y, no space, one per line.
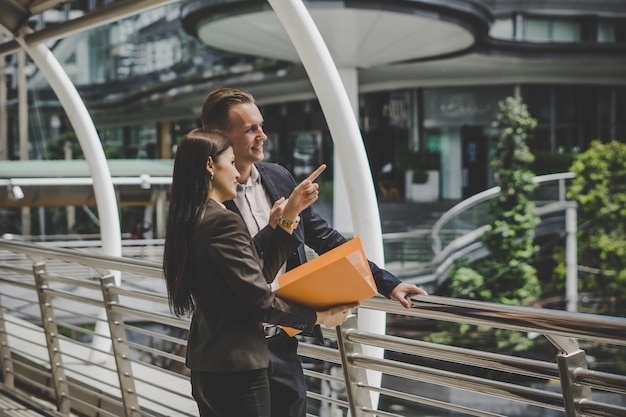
271,168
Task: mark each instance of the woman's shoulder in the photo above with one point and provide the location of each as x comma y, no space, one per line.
214,211
216,217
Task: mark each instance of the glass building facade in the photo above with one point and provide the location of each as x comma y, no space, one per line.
135,73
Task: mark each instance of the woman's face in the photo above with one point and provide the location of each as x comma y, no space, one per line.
224,183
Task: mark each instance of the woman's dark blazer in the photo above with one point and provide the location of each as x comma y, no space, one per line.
231,295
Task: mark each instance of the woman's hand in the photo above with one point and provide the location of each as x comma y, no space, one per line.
277,211
334,316
305,194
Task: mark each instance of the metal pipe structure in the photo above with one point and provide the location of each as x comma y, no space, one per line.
571,258
496,384
111,13
89,140
341,120
348,142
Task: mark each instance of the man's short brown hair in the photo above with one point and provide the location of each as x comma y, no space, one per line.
217,105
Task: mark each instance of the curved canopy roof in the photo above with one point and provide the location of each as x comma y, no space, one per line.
358,34
399,44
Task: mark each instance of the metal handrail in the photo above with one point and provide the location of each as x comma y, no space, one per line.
597,328
144,374
486,195
146,268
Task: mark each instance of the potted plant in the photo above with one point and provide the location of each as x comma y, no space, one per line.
421,169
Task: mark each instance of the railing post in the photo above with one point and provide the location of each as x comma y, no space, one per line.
573,392
562,189
8,377
570,359
121,351
358,399
49,324
571,257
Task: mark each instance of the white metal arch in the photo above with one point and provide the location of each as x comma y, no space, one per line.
89,140
349,146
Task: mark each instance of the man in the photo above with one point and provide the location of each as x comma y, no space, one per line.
262,185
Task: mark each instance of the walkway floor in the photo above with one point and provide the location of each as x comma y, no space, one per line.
13,404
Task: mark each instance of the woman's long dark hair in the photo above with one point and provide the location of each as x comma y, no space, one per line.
189,192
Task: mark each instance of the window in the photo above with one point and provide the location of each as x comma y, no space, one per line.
564,31
502,29
551,30
537,30
611,30
606,32
569,117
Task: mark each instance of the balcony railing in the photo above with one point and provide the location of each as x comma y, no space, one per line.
473,212
423,256
93,335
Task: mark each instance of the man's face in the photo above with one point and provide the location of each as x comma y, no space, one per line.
245,129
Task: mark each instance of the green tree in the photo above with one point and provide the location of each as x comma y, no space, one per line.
506,275
600,191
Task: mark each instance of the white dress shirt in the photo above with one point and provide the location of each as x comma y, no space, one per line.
254,205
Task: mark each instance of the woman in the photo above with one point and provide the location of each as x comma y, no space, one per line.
213,269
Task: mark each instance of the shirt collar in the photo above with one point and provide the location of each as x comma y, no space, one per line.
255,178
254,175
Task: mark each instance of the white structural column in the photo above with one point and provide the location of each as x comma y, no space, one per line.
370,320
90,143
22,117
94,154
571,258
342,216
22,105
4,123
349,147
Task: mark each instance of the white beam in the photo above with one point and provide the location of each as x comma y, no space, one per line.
349,146
571,258
96,160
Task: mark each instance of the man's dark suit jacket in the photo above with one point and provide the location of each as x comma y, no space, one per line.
231,294
313,230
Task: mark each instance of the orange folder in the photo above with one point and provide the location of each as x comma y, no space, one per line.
339,276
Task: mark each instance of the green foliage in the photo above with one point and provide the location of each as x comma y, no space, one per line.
326,191
112,152
506,275
600,183
421,159
510,238
77,334
553,162
56,148
420,162
512,279
55,221
468,283
600,191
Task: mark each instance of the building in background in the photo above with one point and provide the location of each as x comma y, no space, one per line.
429,76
